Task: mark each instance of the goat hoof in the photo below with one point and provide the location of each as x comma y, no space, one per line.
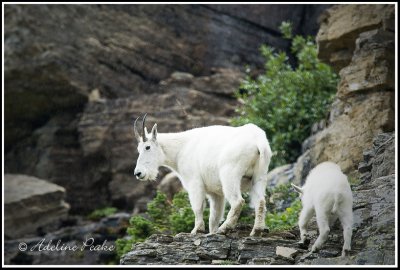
303,245
197,231
256,232
314,250
222,230
307,241
345,253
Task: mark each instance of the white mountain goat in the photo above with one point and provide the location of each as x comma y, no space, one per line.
326,193
216,161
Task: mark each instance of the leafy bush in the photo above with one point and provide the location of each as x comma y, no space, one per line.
158,210
275,220
284,220
286,101
182,216
163,217
103,212
140,228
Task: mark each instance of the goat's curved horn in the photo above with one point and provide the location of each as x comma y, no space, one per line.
137,135
143,124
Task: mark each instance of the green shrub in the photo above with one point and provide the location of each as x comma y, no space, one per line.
103,212
276,219
140,228
286,101
284,220
279,194
182,218
159,209
163,217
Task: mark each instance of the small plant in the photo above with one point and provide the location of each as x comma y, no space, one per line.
284,220
182,218
140,228
163,217
103,212
159,209
287,101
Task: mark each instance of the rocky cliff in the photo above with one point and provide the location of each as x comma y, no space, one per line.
76,76
372,241
359,135
364,105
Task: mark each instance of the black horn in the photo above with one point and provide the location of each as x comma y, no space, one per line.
137,135
143,124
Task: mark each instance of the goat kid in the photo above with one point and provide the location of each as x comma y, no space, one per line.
216,162
326,193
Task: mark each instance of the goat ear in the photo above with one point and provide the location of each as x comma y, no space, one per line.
145,132
297,189
154,132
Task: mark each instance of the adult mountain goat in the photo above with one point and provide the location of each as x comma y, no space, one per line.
326,193
216,161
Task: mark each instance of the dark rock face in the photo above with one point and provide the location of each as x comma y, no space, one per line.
372,241
76,76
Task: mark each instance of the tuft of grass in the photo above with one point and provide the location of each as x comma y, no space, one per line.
101,213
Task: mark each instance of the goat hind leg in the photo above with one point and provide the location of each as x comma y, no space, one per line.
231,188
217,206
347,222
257,196
323,228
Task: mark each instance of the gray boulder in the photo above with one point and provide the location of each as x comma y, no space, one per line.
31,205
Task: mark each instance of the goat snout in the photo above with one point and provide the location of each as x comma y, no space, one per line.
139,174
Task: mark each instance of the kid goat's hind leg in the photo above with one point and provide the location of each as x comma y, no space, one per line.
346,218
323,228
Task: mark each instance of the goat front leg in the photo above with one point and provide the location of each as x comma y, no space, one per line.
304,218
196,197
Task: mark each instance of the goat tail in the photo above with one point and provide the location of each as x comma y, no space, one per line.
336,203
265,158
259,178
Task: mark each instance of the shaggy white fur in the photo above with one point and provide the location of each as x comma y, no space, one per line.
219,162
326,193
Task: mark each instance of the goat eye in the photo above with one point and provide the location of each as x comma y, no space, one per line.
148,147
